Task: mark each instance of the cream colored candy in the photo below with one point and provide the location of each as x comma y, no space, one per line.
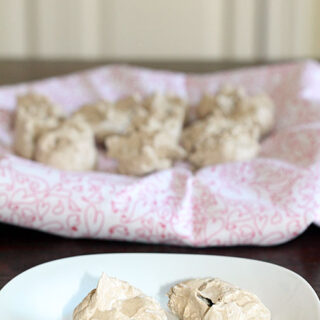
106,118
114,299
224,102
218,140
68,147
164,104
260,110
152,142
229,127
35,114
144,135
161,113
200,130
214,299
139,154
237,104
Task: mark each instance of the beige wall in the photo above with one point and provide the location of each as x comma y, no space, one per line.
160,29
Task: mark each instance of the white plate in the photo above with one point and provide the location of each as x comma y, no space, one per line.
51,291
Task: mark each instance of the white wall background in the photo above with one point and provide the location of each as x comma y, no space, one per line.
160,29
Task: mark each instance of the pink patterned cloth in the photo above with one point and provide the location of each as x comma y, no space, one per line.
266,201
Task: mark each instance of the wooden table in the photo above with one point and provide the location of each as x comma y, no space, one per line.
21,249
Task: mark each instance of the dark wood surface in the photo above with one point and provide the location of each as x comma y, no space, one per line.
21,249
17,71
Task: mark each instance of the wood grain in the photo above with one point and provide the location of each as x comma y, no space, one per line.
14,71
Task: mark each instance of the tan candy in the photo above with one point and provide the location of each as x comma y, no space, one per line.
161,113
214,299
35,115
152,142
106,118
229,127
260,110
218,140
235,103
139,154
114,299
68,147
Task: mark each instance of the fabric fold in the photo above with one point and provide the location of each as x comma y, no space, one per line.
266,201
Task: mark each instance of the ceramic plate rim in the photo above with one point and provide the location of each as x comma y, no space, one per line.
141,254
